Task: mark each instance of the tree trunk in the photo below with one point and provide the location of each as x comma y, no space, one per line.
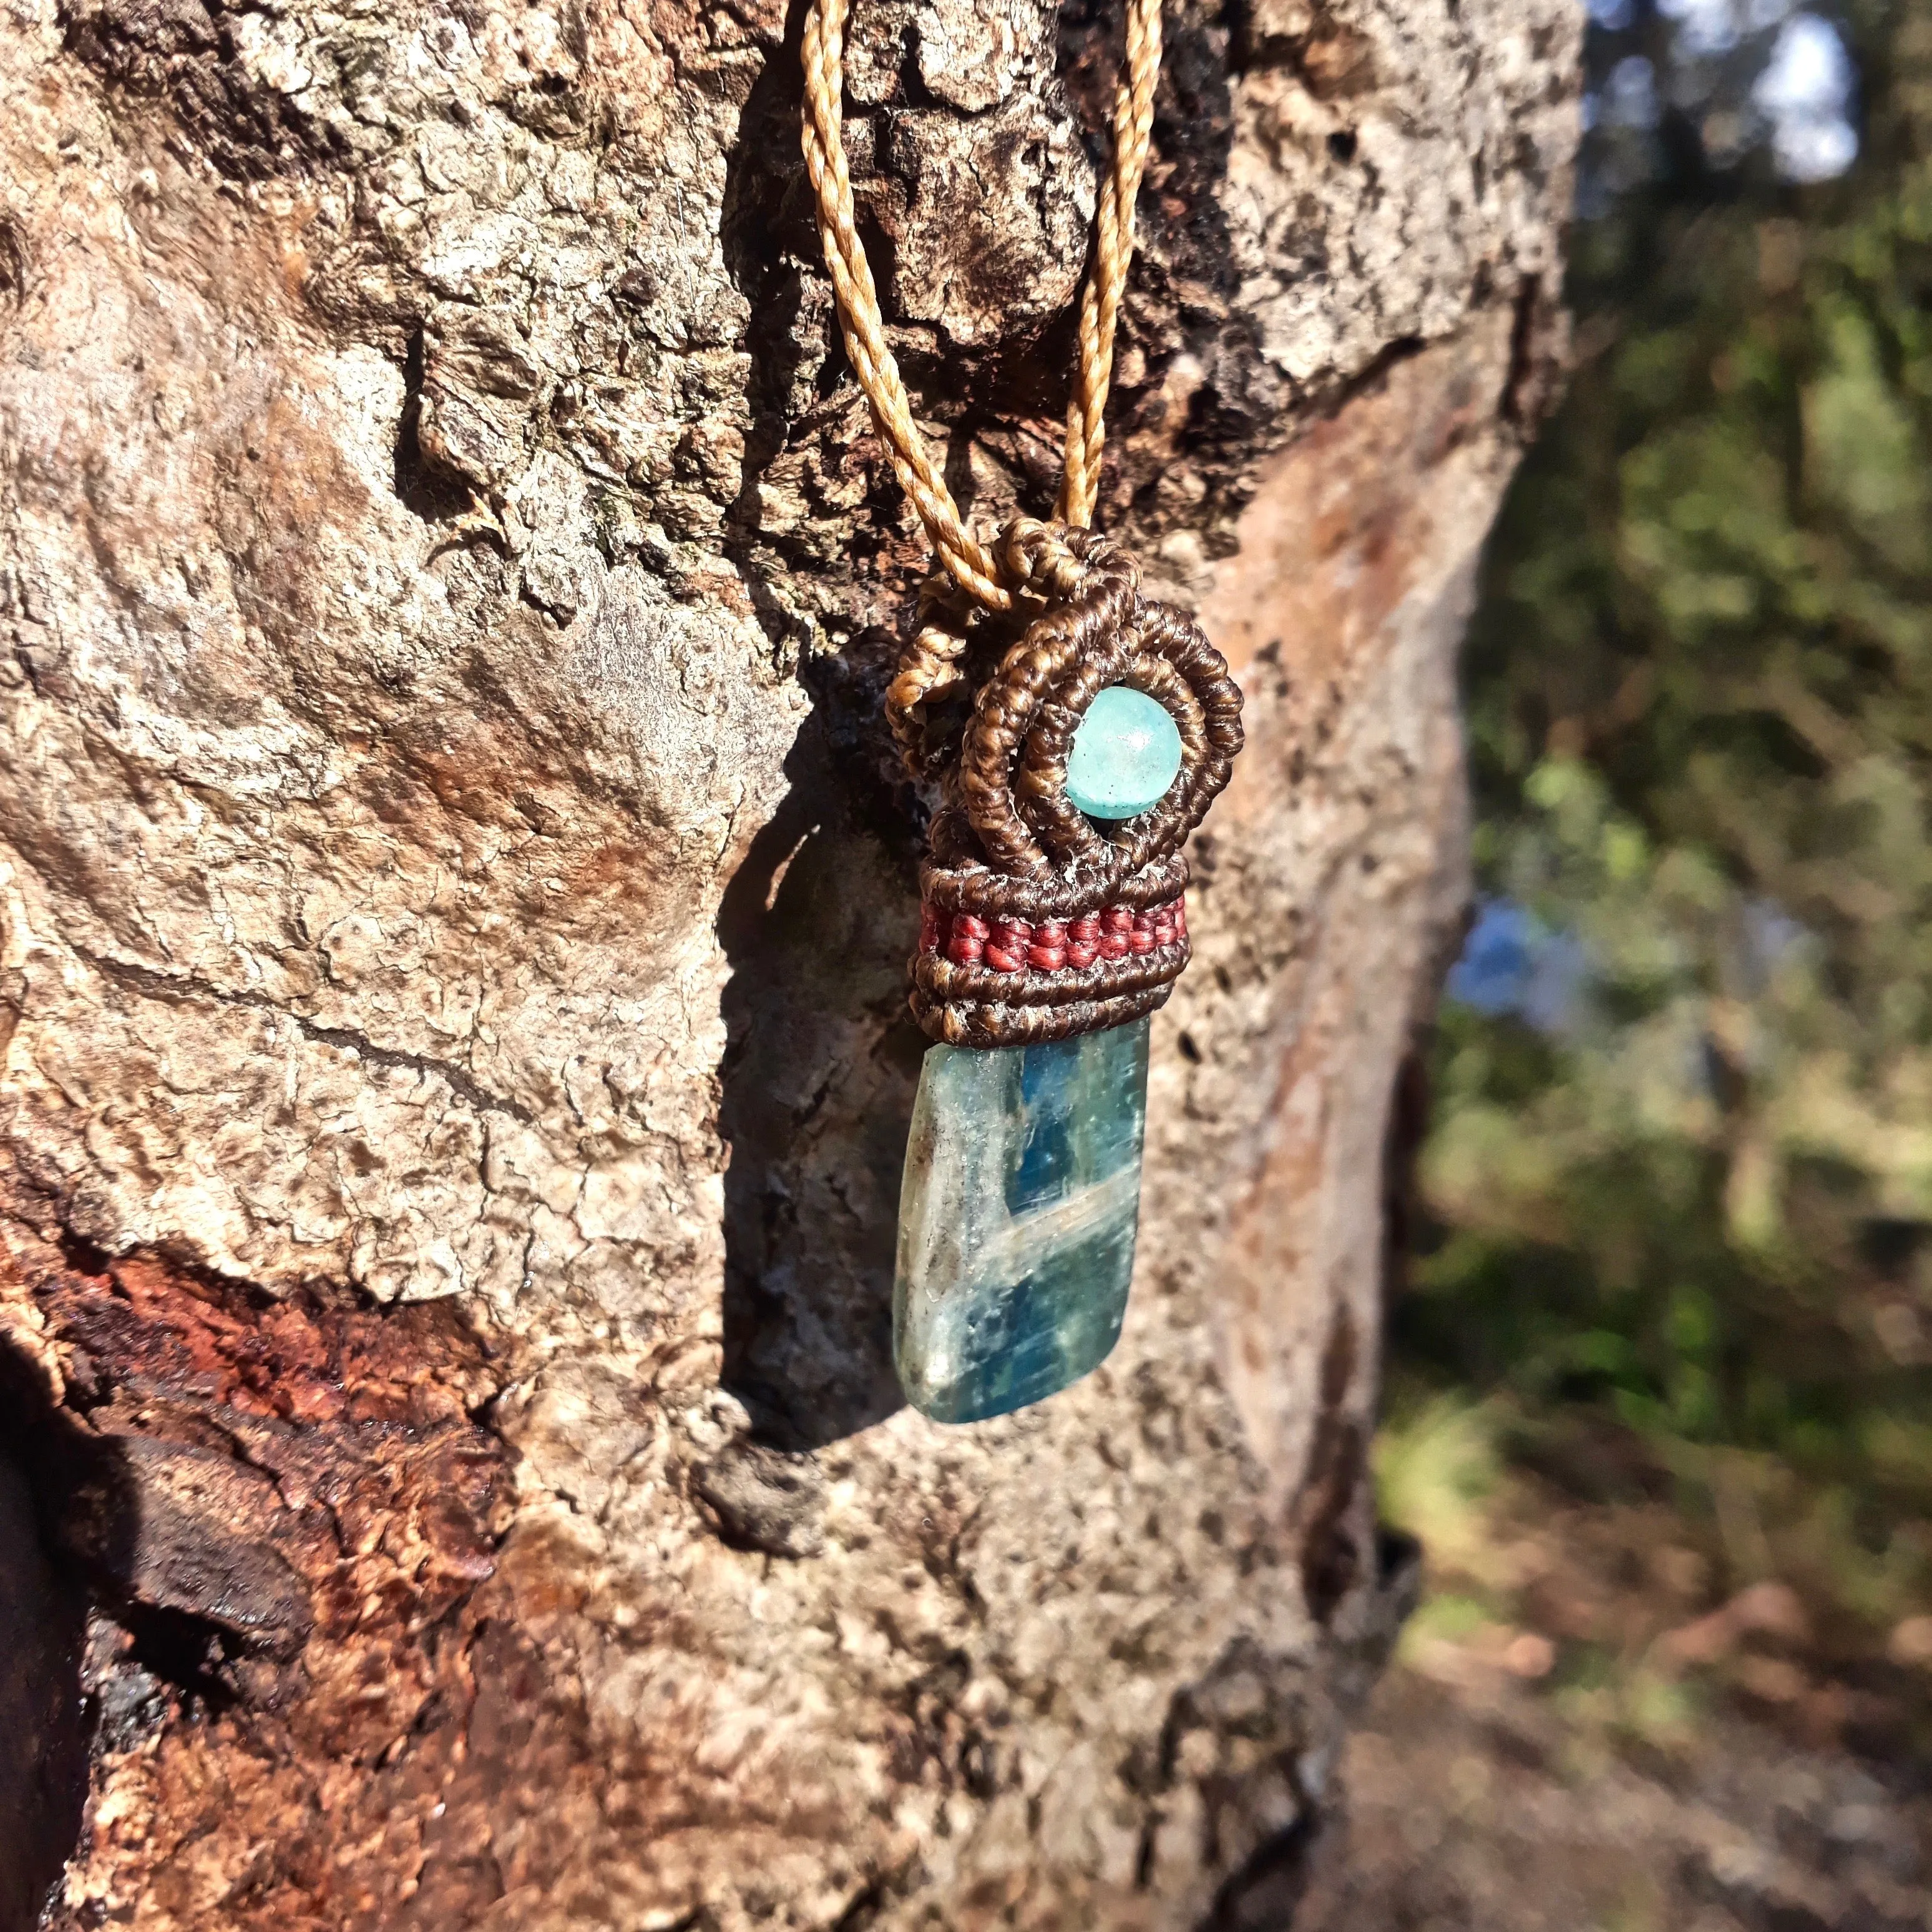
454,892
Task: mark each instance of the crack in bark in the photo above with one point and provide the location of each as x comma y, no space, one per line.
175,988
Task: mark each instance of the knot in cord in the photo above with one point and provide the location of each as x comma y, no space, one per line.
1048,561
1047,570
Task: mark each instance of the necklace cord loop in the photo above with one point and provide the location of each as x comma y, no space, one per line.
999,578
1037,923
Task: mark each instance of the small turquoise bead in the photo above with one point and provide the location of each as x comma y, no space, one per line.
1126,752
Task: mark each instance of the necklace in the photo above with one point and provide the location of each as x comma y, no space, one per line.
1077,732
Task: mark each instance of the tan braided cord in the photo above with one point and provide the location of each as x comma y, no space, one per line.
1113,249
984,577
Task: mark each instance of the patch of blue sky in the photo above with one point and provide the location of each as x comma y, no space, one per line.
1705,28
1629,97
1512,963
1805,91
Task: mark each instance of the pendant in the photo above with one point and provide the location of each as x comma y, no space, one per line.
1017,1218
1052,925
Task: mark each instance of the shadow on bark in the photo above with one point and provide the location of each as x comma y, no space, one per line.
821,1058
817,1088
43,1628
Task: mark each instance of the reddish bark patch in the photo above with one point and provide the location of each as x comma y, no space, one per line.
283,1510
288,1434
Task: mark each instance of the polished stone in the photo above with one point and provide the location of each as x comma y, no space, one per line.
1017,1218
1125,754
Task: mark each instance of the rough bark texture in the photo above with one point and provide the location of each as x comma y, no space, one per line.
453,894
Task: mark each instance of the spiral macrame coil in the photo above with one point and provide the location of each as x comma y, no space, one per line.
1038,923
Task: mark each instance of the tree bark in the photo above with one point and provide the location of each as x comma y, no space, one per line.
454,890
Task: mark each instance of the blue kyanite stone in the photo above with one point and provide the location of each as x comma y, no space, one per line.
1126,752
1017,1219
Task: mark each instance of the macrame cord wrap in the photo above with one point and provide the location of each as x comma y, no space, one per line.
1037,923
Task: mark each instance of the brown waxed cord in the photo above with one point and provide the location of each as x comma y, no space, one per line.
988,576
1037,925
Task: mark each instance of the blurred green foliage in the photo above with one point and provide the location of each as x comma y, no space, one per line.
1691,1191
